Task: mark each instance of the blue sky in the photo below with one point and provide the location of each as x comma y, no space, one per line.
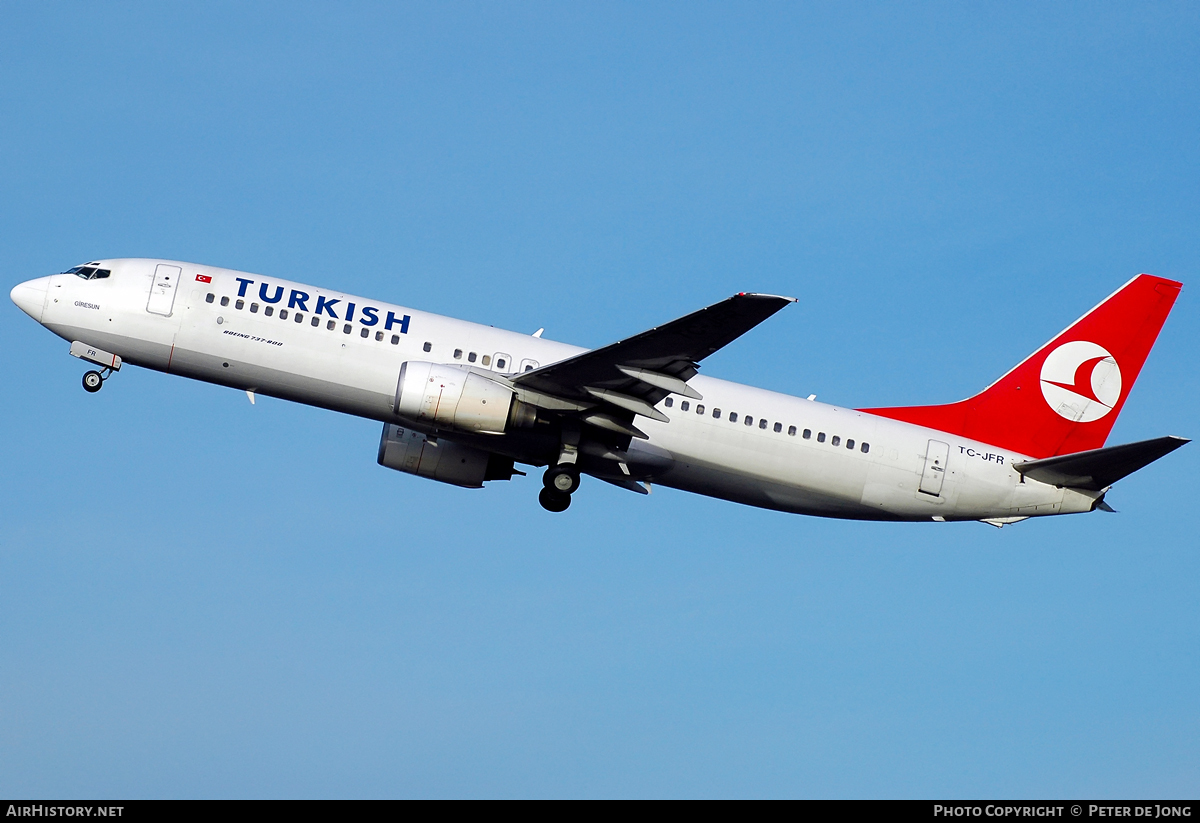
203,598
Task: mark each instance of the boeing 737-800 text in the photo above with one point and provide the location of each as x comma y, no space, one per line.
463,403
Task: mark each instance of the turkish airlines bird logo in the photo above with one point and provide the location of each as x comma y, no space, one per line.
1081,381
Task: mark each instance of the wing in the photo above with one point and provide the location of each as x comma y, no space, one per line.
611,384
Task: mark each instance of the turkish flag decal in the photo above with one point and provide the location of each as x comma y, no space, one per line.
203,278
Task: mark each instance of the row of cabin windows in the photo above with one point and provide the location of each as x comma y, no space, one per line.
501,360
486,360
315,321
763,423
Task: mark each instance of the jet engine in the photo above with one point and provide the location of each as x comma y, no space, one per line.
451,397
411,452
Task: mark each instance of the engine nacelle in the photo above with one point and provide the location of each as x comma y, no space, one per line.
411,452
451,397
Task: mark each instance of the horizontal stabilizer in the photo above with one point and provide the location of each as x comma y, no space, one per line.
1099,468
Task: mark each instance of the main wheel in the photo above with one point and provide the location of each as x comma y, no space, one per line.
92,381
553,501
561,479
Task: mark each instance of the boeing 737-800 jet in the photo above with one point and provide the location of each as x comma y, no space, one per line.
463,403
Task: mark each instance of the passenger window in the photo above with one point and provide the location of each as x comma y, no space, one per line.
778,428
716,414
820,437
669,402
807,434
428,347
836,441
268,310
346,329
501,363
316,321
700,409
396,339
684,406
486,361
528,365
208,298
733,417
850,445
471,357
749,421
331,325
365,333
240,304
299,317
378,335
458,354
762,424
866,447
254,308
791,431
224,301
283,314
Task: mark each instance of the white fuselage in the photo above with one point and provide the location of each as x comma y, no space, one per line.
310,349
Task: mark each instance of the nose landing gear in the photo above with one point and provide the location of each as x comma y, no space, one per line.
108,362
560,481
93,381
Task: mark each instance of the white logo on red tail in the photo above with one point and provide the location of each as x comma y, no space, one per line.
1081,381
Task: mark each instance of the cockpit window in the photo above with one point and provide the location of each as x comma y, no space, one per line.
89,272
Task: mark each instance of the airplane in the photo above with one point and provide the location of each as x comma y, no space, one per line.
464,403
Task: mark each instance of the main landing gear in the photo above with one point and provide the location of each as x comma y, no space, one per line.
93,381
560,481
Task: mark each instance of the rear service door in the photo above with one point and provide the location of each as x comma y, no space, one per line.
935,468
162,289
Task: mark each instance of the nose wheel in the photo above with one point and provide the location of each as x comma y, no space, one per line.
560,482
93,381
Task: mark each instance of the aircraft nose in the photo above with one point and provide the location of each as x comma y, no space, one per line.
30,296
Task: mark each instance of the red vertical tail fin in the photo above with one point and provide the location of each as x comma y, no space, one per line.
1064,397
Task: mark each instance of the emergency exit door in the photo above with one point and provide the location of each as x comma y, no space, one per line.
163,288
935,468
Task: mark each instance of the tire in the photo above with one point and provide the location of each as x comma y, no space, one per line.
553,501
560,479
92,381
